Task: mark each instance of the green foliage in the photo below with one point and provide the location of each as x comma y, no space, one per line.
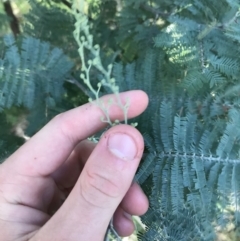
51,22
36,71
192,173
185,55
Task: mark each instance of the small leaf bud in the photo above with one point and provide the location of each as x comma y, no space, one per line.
82,38
95,61
82,76
96,46
112,80
134,124
90,62
90,99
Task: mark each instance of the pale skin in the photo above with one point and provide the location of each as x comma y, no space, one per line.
60,187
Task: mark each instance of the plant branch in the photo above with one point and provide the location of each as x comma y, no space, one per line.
154,11
66,3
14,24
79,85
232,20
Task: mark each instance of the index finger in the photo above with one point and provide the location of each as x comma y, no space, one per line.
47,150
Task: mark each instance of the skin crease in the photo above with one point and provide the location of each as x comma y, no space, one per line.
58,186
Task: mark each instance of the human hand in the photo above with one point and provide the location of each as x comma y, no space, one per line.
57,164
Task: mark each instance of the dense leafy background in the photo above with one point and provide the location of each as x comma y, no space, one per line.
184,54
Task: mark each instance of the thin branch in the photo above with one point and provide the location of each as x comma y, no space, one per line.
232,20
79,85
154,11
14,24
68,4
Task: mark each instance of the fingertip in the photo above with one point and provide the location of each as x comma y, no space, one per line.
144,97
135,201
123,223
142,201
141,98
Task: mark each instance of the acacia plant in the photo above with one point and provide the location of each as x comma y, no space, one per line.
183,53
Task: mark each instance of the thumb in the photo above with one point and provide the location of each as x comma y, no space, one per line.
103,183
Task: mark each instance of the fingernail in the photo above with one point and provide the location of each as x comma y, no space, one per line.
122,146
127,215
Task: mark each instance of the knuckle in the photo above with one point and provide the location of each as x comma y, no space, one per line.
63,125
97,189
